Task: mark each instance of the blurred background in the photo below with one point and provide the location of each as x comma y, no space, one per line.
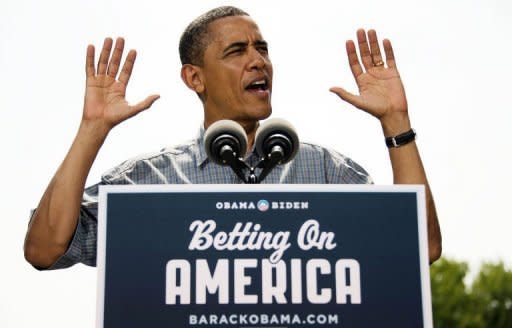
454,59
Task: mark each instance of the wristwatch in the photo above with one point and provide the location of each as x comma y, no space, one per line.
401,139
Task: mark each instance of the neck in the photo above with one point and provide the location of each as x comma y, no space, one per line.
250,130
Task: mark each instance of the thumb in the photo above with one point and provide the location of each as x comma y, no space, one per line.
143,105
347,96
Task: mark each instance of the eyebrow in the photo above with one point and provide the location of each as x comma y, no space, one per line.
241,44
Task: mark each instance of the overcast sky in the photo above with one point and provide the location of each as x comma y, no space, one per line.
454,58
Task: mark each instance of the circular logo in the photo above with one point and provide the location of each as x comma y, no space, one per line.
263,205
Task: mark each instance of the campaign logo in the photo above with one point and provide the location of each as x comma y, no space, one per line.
263,205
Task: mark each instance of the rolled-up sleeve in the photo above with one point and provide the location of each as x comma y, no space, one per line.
82,248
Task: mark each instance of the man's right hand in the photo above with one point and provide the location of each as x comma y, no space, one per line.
105,104
55,220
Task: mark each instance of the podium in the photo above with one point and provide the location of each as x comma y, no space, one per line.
263,256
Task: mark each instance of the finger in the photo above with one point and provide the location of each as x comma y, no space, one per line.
89,61
126,72
353,60
364,51
143,105
347,96
105,54
115,61
375,49
390,56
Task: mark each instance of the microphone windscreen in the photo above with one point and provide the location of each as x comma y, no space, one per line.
277,131
225,133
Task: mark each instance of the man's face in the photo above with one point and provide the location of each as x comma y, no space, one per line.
237,72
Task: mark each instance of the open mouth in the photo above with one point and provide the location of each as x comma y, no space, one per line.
258,86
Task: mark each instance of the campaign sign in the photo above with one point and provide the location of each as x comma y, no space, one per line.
263,256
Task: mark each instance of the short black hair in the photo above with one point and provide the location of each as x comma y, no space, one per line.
194,40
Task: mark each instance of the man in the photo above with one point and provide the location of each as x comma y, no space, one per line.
226,62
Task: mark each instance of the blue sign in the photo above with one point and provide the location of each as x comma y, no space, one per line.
263,256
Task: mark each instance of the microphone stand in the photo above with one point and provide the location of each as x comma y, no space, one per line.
266,163
270,161
237,165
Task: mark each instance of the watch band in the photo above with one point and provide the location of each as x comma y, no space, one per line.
401,139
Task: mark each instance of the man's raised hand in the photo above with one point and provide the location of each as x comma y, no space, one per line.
105,104
381,92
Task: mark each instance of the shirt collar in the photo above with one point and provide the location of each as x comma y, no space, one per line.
201,156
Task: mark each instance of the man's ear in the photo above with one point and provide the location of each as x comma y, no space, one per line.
192,76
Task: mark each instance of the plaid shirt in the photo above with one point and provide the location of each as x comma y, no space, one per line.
188,163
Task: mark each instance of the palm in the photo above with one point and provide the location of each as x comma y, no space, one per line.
105,100
381,92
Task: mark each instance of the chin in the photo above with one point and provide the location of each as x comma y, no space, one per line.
253,114
267,114
262,113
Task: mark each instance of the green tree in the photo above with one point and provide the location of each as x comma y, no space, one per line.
486,303
451,301
493,288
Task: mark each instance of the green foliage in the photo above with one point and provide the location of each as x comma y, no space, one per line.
493,287
487,302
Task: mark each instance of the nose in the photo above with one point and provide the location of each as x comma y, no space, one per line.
256,60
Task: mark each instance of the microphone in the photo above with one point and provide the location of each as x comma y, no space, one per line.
276,143
225,141
276,138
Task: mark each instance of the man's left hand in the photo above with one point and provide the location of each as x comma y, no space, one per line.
381,92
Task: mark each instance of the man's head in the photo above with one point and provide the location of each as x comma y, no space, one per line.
225,61
196,36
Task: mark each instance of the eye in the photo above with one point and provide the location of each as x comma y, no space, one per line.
235,51
263,50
